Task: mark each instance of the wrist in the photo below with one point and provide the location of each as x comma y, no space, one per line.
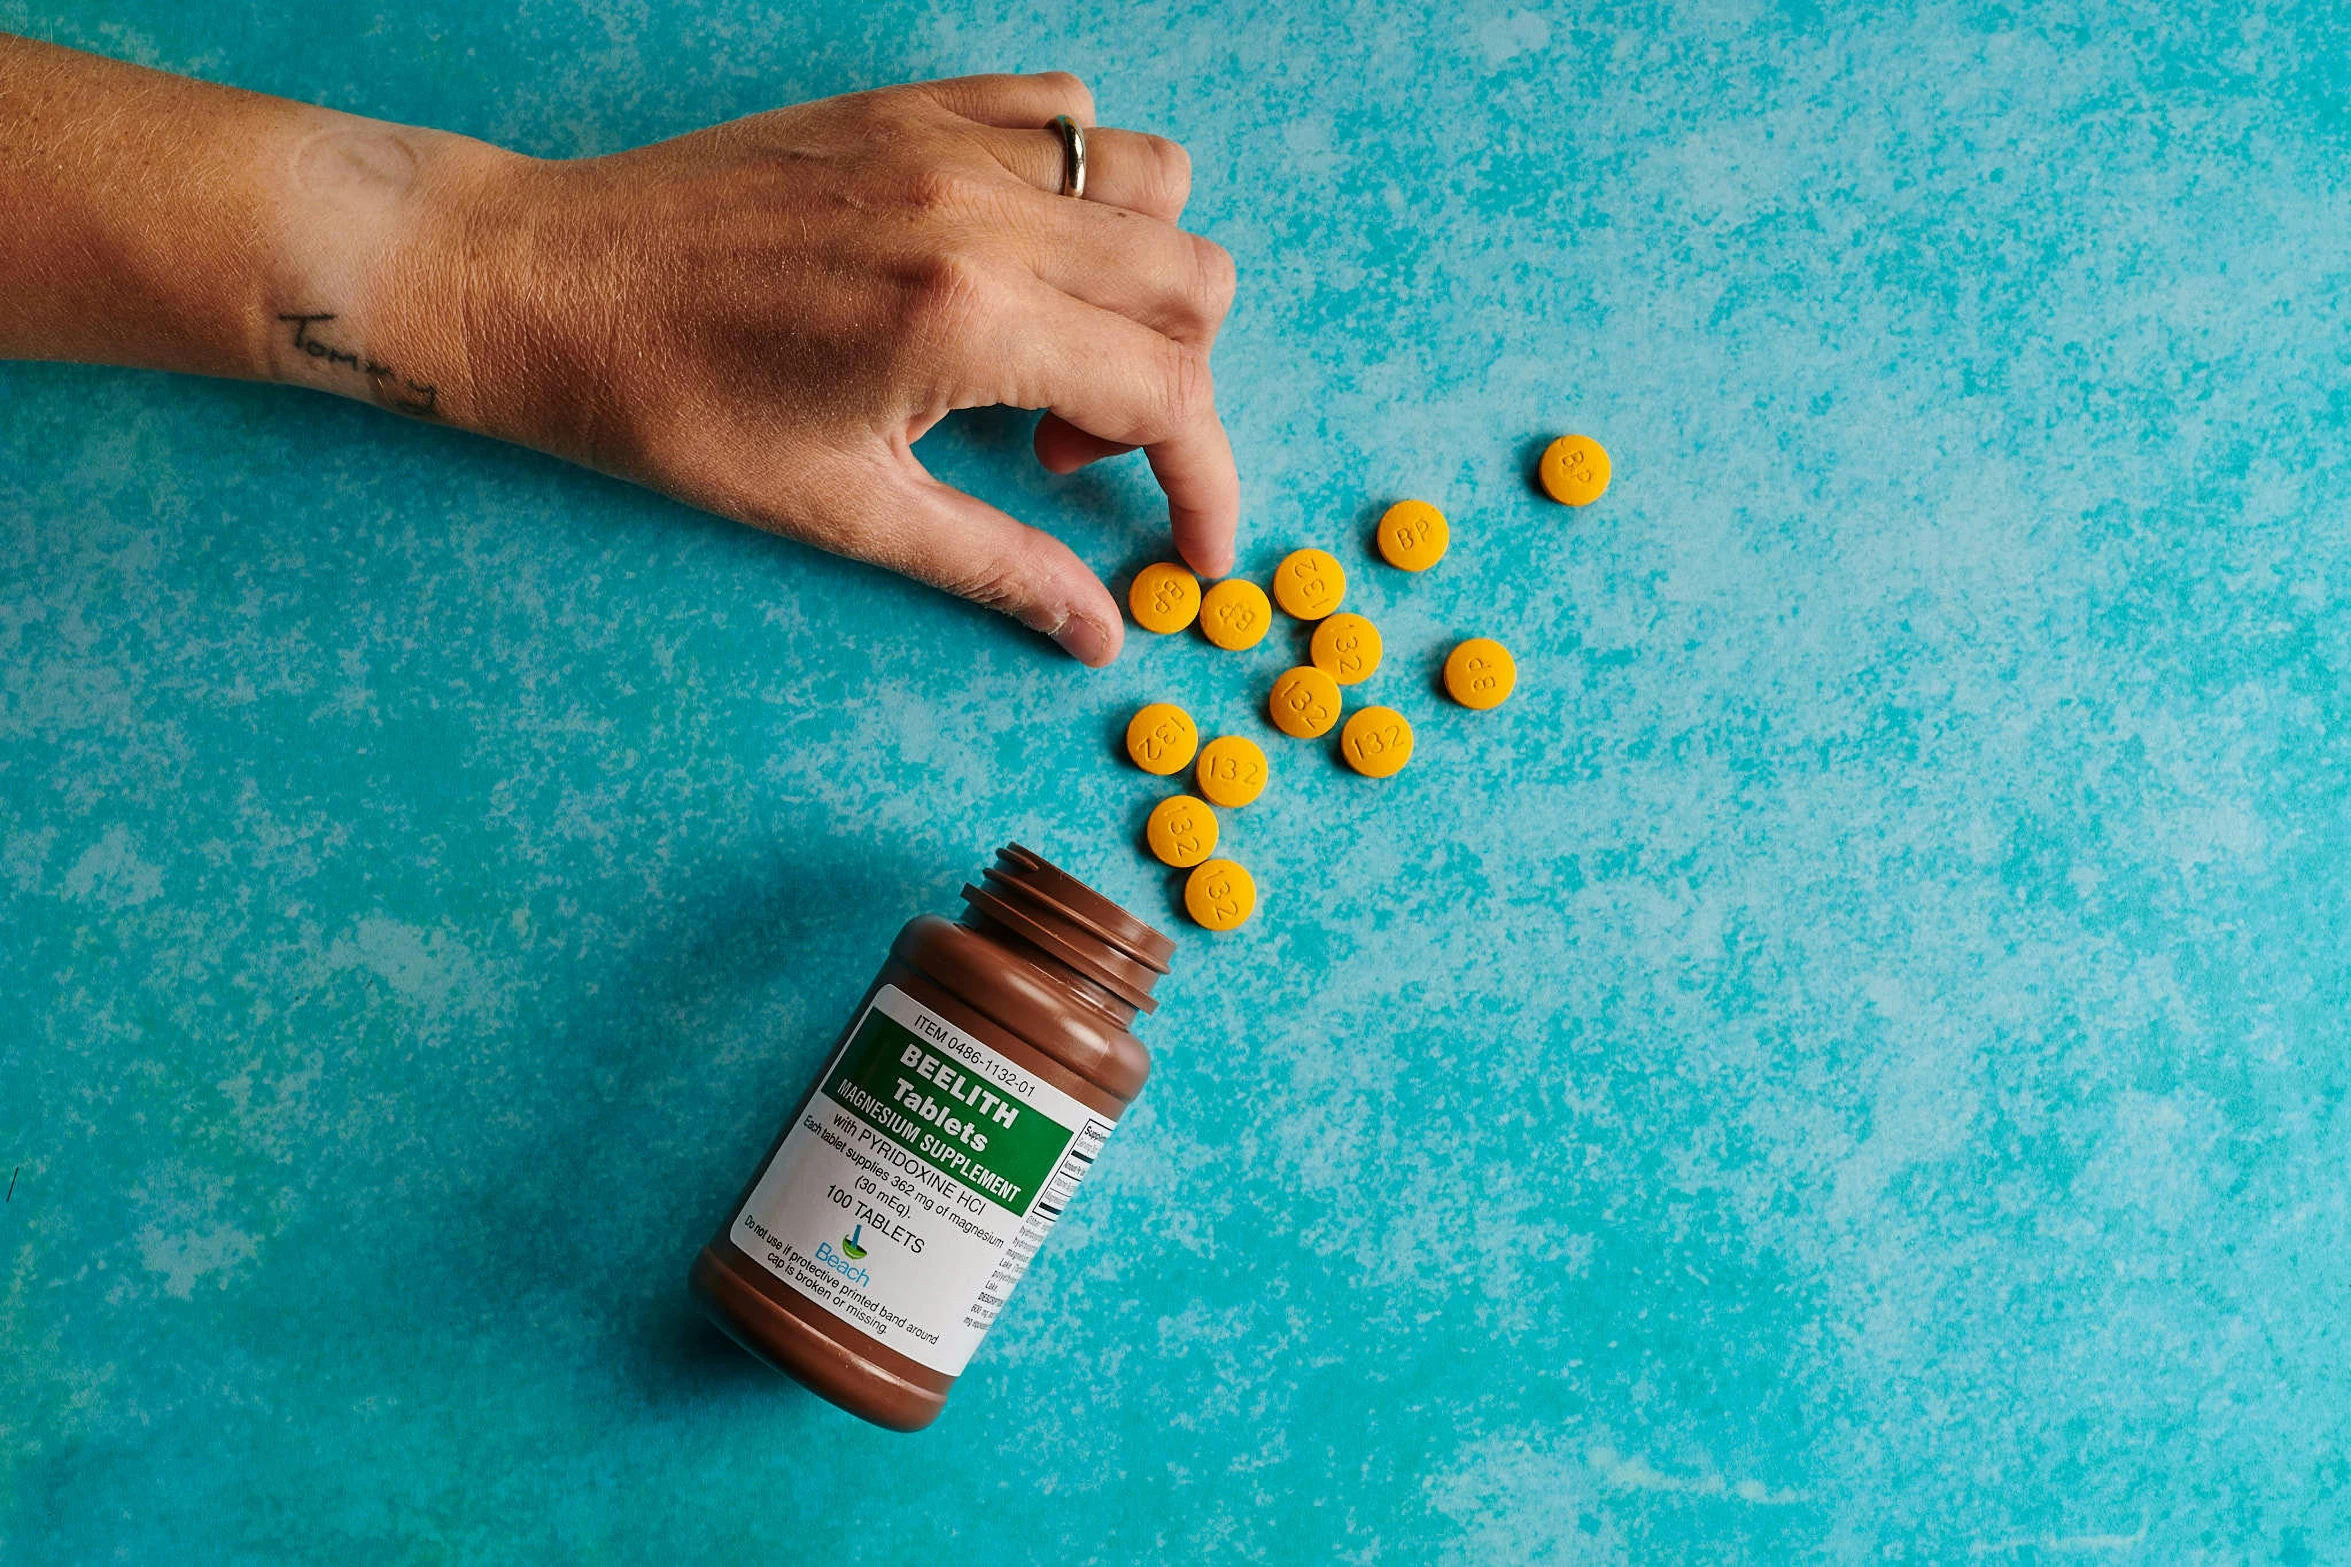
379,259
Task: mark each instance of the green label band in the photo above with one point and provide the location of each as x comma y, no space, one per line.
958,1123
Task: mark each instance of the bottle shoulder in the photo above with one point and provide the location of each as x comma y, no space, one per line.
1037,1007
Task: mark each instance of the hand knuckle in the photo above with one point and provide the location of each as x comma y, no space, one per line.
1172,168
1186,389
934,191
998,580
1218,278
1074,85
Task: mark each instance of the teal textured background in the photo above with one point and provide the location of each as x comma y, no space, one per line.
1848,1065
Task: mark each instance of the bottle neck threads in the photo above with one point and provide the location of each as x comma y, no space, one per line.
1080,932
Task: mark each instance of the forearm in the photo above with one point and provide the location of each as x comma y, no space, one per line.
760,318
152,220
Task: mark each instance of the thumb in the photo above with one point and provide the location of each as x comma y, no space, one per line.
937,534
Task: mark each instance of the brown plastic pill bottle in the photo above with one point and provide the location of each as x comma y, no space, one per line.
964,1102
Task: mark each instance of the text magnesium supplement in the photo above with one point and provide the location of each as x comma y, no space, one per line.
1413,535
1574,470
953,1121
1347,648
1480,673
1377,742
1220,895
1164,598
1235,614
1161,739
1231,771
1181,831
1304,702
1308,584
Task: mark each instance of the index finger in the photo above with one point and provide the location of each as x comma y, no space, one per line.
1121,382
1203,493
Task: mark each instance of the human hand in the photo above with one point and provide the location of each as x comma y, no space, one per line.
761,319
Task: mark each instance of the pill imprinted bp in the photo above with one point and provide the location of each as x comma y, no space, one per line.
1413,535
1480,673
1161,738
1164,598
1347,648
1304,702
1181,831
1235,614
1574,470
1232,770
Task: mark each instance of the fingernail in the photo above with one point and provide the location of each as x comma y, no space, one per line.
1088,643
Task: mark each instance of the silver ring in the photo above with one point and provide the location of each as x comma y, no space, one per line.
1073,154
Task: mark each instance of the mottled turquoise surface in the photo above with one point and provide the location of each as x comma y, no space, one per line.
1848,1065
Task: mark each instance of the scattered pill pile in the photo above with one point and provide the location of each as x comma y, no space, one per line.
1306,702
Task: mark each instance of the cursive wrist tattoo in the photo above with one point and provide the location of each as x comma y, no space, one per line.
387,385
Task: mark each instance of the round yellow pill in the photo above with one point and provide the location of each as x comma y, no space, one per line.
1377,742
1413,535
1480,673
1161,738
1346,648
1574,470
1181,831
1309,584
1231,771
1304,703
1235,614
1220,895
1164,598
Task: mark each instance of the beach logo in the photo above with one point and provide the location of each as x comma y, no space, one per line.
849,1246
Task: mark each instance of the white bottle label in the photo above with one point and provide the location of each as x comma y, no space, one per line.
926,1170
